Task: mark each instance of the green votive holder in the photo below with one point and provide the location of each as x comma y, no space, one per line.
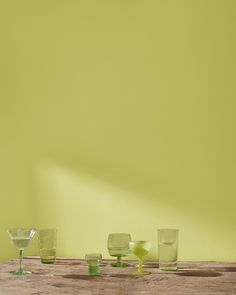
94,261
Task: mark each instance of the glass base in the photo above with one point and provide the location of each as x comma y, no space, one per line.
141,273
119,264
48,261
168,266
21,272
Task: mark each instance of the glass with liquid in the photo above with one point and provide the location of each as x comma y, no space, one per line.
21,238
21,242
140,249
47,245
168,249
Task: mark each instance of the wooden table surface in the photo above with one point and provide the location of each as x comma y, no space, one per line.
69,276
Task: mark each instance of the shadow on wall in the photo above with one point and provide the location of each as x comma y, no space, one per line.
86,208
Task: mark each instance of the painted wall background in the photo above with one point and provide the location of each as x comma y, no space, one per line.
119,116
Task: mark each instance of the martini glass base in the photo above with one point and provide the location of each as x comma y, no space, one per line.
141,273
21,272
119,264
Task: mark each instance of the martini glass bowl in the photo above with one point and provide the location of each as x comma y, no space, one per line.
21,238
140,249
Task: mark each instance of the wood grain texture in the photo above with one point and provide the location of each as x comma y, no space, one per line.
69,276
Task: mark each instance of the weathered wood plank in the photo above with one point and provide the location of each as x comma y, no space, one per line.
69,276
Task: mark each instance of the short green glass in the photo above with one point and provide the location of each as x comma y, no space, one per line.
140,249
21,238
94,261
118,246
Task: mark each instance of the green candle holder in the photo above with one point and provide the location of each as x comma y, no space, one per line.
94,261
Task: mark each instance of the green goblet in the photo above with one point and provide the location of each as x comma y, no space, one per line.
140,249
118,246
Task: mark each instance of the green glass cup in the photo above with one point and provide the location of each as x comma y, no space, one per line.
94,261
47,239
118,246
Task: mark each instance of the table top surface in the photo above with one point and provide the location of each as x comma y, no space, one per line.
69,276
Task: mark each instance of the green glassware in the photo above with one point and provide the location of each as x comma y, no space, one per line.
168,249
118,246
21,238
93,261
140,249
47,245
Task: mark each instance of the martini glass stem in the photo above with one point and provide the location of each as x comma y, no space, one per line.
21,259
140,269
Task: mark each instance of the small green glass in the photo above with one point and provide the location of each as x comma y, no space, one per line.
94,261
118,246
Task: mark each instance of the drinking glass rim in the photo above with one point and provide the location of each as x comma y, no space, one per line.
90,256
128,234
27,232
47,229
22,228
168,229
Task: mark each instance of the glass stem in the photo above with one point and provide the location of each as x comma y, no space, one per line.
118,259
21,259
140,269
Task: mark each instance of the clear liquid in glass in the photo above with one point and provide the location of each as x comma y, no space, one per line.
21,242
167,255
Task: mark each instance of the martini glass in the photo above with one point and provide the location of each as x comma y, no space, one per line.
140,249
21,238
118,246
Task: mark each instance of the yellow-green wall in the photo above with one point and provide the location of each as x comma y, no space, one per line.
119,116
